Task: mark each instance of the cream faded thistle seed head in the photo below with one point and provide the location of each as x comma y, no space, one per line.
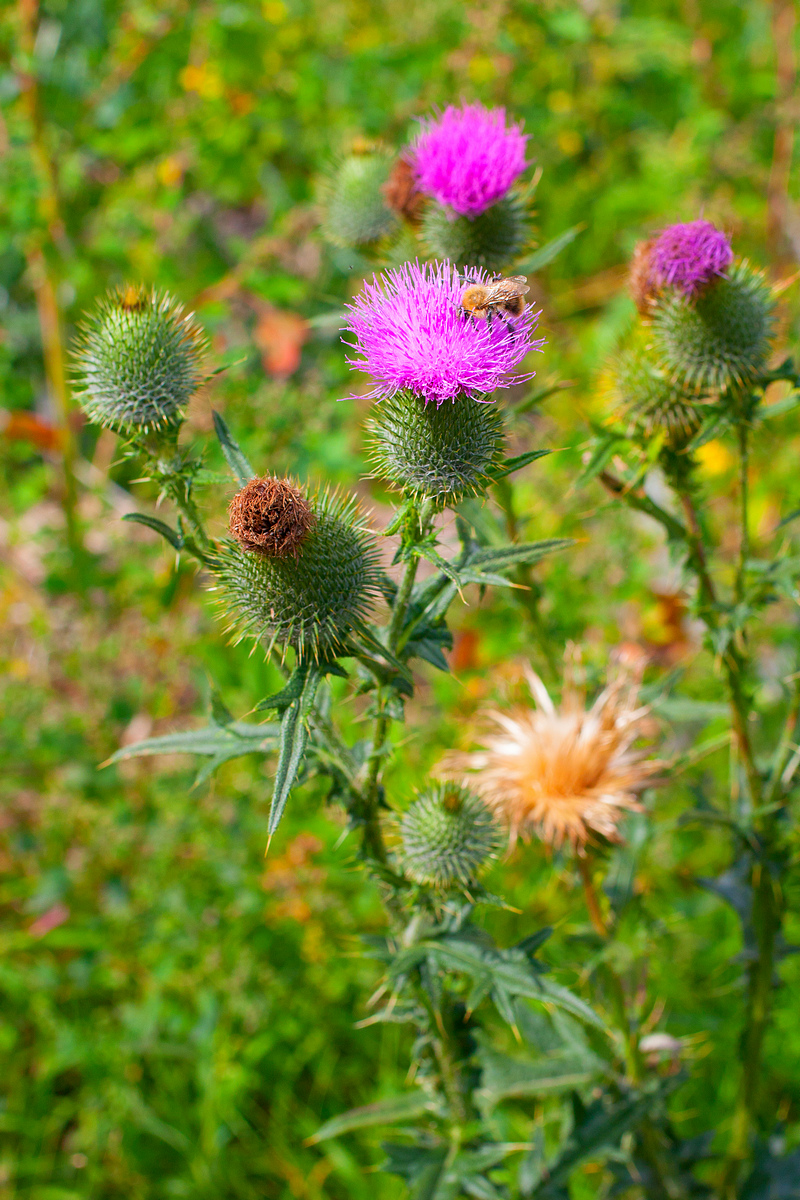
411,334
468,157
567,774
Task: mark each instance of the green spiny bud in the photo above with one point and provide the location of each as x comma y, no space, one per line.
304,569
447,835
650,400
355,211
445,452
139,361
492,239
719,339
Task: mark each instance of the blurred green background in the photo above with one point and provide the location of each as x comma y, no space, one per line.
177,1012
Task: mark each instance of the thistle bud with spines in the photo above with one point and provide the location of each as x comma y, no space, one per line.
720,339
354,205
300,575
447,837
445,452
492,239
138,362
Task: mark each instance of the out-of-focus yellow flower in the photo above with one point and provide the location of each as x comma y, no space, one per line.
170,171
569,142
559,102
274,11
481,68
715,458
203,79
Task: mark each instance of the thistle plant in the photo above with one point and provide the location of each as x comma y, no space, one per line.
699,364
305,576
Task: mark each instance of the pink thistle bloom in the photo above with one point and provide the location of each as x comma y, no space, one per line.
689,256
411,333
468,157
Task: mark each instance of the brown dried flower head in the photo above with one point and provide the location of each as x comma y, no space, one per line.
271,517
641,282
400,191
566,774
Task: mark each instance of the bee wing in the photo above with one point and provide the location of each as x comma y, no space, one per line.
519,285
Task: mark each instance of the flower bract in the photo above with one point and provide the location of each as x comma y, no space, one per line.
411,333
467,158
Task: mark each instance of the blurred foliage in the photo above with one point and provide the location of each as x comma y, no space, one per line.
177,1014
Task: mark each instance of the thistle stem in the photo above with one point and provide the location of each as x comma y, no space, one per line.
591,897
420,522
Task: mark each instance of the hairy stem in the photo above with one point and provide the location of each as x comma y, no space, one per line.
420,521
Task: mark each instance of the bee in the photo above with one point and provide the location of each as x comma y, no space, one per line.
498,298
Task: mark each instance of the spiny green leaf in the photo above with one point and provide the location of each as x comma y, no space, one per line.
175,540
236,738
240,467
383,1112
509,465
548,252
293,741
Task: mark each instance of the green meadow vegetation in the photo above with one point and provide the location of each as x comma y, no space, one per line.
179,1013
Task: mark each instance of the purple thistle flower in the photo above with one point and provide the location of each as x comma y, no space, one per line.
411,333
468,157
689,256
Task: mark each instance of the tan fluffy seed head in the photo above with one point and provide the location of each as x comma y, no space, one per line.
566,774
270,516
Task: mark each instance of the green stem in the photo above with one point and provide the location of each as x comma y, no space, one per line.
420,520
766,926
744,499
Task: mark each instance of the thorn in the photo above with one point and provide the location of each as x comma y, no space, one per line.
269,843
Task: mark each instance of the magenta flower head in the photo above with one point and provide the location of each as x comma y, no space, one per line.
689,256
413,335
468,157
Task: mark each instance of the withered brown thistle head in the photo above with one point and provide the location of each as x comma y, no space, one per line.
642,282
566,774
400,191
271,517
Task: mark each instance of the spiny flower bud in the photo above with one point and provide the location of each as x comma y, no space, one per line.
139,361
447,836
718,339
492,239
355,211
650,400
443,452
308,597
270,516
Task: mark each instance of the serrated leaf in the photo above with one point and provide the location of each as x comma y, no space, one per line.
220,713
293,741
548,252
383,1112
240,467
517,554
238,738
605,447
170,535
377,647
509,465
599,1129
281,700
504,1076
